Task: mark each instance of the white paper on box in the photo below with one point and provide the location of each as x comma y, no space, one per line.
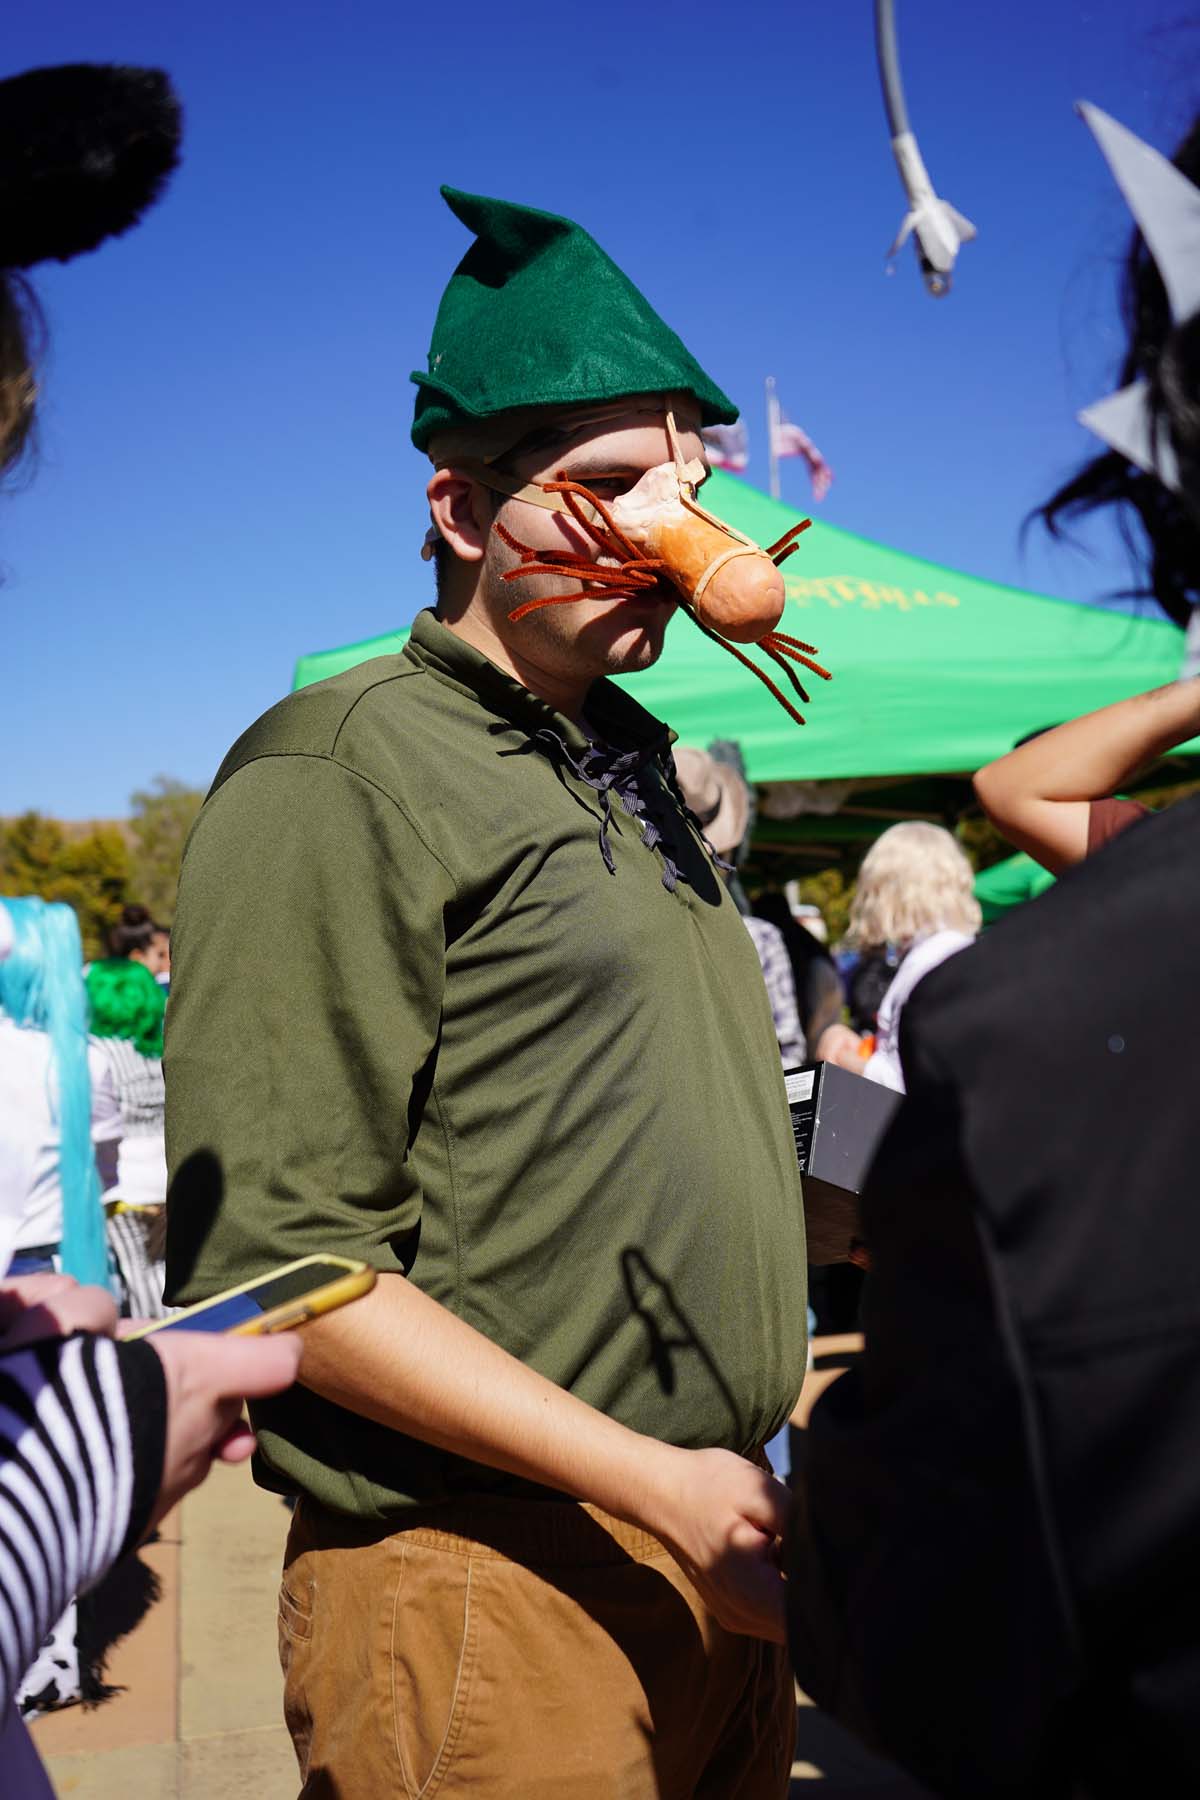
800,1085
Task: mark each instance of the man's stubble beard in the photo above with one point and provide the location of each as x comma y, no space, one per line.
561,638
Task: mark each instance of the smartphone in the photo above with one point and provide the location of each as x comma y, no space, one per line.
287,1297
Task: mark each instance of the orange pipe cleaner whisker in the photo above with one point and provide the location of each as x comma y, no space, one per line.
798,651
628,571
747,664
617,543
783,547
623,573
531,606
777,656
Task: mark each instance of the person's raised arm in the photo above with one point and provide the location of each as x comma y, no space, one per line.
1039,795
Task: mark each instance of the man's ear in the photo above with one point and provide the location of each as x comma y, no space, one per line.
462,513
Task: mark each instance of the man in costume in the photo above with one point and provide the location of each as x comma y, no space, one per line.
458,989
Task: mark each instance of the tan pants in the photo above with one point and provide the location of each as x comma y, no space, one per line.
515,1650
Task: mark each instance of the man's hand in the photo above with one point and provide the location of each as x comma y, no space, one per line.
722,1520
207,1379
33,1307
397,1356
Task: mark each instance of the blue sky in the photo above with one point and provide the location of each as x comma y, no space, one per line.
226,479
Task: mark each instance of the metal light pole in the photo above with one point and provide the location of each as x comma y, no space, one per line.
773,436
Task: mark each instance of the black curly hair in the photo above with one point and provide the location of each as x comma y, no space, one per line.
1166,551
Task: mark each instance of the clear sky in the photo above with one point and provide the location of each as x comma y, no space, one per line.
226,479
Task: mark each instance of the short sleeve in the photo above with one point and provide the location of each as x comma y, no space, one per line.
1107,819
308,959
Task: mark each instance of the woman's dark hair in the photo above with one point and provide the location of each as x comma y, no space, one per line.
1167,358
22,338
134,930
866,986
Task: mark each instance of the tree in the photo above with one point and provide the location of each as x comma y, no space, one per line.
89,872
163,815
93,877
832,890
29,851
981,842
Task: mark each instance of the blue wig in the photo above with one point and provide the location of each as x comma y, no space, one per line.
41,988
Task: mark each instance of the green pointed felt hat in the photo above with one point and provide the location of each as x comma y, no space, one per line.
537,315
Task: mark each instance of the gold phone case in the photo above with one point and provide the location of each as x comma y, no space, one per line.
358,1279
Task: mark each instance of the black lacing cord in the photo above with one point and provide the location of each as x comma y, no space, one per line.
607,771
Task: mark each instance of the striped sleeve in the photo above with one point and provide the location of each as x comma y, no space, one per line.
82,1434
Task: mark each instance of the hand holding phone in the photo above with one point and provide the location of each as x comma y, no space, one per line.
287,1297
207,1380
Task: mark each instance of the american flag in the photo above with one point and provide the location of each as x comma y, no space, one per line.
788,440
727,446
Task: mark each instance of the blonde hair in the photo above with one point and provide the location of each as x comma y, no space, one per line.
914,880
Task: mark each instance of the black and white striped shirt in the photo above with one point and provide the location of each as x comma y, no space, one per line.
82,1433
139,1083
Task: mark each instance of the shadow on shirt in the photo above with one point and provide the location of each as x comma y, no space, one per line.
193,1205
669,1331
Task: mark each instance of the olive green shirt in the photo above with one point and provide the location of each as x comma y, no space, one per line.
416,1018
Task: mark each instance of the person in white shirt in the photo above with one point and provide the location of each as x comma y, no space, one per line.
915,898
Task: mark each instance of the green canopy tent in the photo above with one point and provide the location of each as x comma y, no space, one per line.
935,673
1010,883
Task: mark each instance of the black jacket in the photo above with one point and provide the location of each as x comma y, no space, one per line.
1001,1580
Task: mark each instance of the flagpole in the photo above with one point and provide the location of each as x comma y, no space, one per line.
772,436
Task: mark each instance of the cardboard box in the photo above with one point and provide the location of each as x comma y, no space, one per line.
838,1121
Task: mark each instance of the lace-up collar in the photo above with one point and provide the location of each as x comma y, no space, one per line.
628,746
